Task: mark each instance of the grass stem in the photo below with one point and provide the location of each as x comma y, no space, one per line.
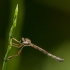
10,40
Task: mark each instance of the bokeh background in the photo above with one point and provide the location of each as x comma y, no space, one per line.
46,23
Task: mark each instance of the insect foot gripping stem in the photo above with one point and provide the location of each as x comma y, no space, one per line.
5,60
11,36
8,58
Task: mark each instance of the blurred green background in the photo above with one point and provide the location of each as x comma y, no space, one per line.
46,23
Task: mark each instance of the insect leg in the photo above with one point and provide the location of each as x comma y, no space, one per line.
17,45
15,39
14,55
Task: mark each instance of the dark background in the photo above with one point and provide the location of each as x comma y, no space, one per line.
46,23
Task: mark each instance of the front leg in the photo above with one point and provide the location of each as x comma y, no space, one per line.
15,40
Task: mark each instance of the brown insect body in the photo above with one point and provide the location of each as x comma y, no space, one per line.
27,42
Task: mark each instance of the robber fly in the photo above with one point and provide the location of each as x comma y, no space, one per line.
27,42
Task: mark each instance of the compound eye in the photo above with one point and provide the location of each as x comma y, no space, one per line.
21,41
27,40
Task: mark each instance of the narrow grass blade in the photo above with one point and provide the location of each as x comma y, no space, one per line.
10,34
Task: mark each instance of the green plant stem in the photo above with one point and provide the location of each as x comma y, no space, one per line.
10,34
